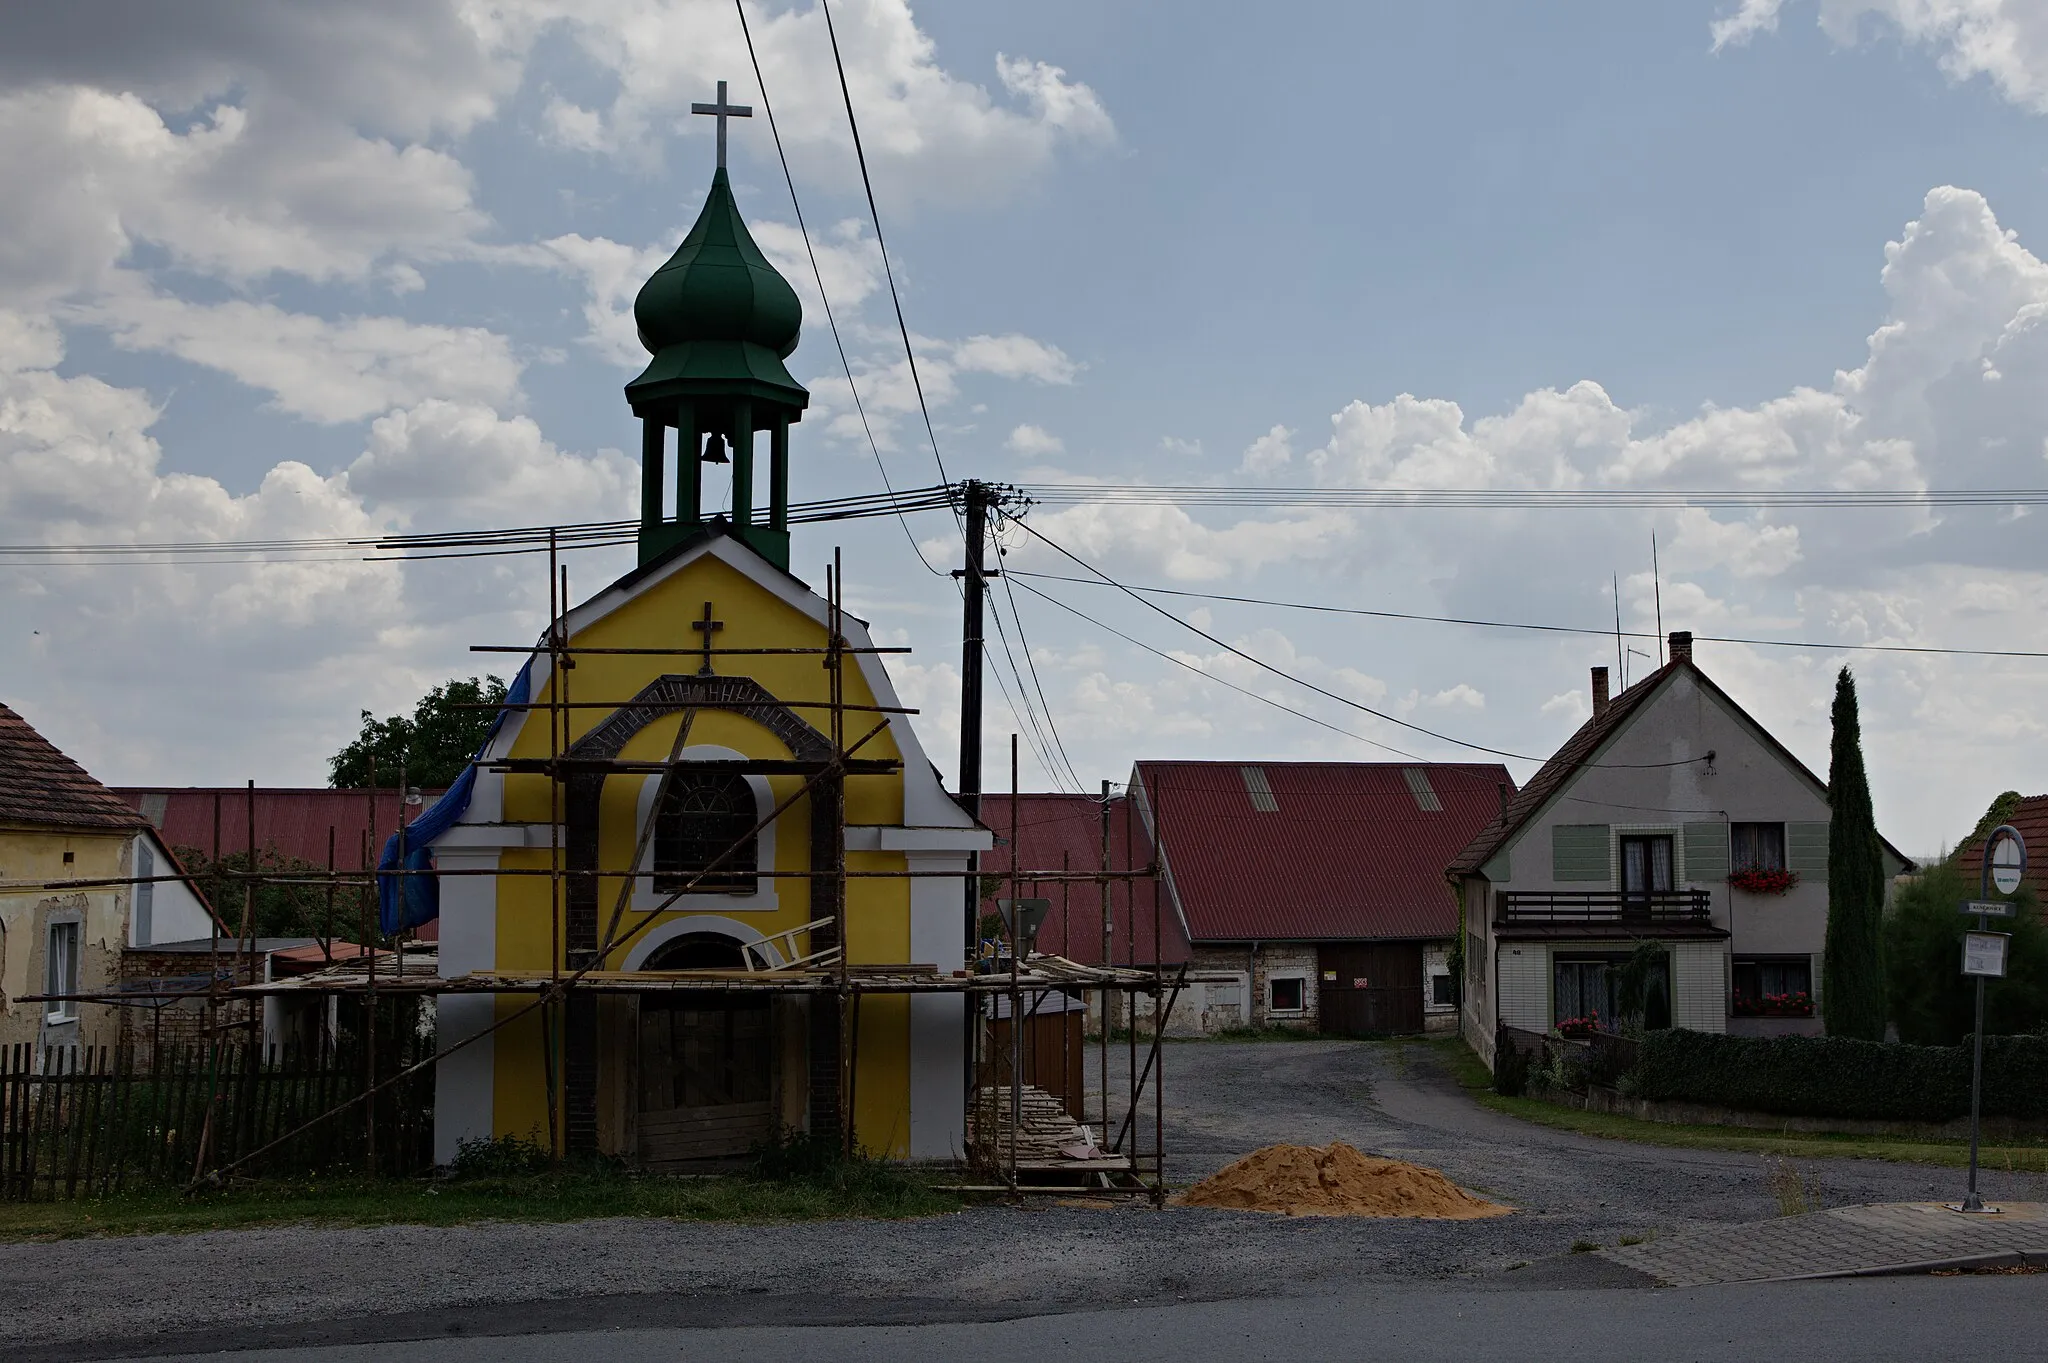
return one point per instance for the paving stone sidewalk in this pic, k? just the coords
(1844, 1241)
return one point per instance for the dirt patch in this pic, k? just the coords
(1336, 1180)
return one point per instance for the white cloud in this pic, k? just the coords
(1463, 696)
(929, 134)
(467, 465)
(1010, 357)
(324, 370)
(1034, 442)
(2005, 41)
(1270, 453)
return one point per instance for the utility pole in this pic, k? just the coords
(979, 496)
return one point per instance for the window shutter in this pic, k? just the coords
(1579, 851)
(1706, 851)
(1806, 848)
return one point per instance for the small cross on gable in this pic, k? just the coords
(707, 627)
(722, 111)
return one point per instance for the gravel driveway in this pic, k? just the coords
(99, 1298)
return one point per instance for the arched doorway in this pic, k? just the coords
(706, 1060)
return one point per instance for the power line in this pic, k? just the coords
(1212, 677)
(1522, 625)
(819, 275)
(888, 272)
(1136, 494)
(1303, 681)
(1032, 663)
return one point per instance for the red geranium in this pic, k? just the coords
(1763, 879)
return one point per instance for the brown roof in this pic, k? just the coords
(1317, 851)
(40, 785)
(1550, 778)
(292, 821)
(2030, 817)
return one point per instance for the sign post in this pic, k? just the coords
(2005, 865)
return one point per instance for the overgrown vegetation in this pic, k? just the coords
(447, 726)
(1797, 1191)
(1931, 1000)
(1511, 1065)
(281, 910)
(1852, 969)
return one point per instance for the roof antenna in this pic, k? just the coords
(1620, 655)
(1657, 581)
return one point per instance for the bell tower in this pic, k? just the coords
(719, 322)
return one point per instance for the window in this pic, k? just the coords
(1583, 991)
(1773, 987)
(61, 974)
(1646, 869)
(701, 817)
(1757, 846)
(1287, 994)
(1442, 992)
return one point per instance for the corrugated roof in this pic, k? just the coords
(291, 821)
(1350, 850)
(40, 785)
(1064, 832)
(2031, 819)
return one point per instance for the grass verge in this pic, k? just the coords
(848, 1189)
(1472, 1076)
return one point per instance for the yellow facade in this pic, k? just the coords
(31, 856)
(757, 607)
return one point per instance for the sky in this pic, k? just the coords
(277, 272)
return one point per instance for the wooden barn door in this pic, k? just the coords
(1377, 989)
(707, 1078)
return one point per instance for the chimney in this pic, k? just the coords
(1681, 645)
(1599, 691)
(1503, 800)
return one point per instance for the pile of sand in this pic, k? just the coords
(1336, 1180)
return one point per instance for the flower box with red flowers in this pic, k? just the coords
(1763, 879)
(1579, 1027)
(1794, 1005)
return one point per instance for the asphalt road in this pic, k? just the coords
(302, 1286)
(1867, 1321)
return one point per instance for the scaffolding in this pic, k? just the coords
(1020, 1138)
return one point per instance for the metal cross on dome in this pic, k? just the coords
(722, 111)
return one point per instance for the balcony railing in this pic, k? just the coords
(1663, 907)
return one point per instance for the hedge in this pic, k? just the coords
(1802, 1076)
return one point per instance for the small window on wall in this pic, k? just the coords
(61, 973)
(1442, 993)
(1287, 994)
(707, 817)
(1756, 846)
(1773, 987)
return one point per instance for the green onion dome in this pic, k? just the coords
(718, 287)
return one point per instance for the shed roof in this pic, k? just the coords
(40, 785)
(1064, 832)
(1317, 851)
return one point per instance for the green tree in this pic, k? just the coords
(293, 908)
(445, 731)
(1932, 1001)
(1852, 971)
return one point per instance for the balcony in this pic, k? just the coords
(1590, 912)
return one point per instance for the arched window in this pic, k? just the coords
(699, 820)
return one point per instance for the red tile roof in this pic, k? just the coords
(40, 785)
(293, 822)
(1064, 832)
(1317, 851)
(2031, 819)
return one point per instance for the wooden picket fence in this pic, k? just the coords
(89, 1121)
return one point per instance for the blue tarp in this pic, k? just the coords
(422, 893)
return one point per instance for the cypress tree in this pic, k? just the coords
(1852, 973)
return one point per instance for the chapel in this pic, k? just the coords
(698, 774)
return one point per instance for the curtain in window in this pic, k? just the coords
(1760, 845)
